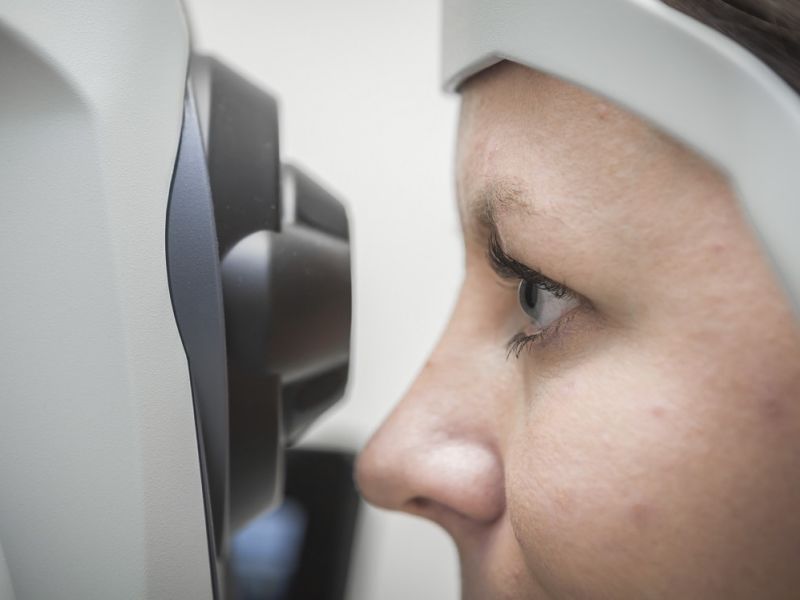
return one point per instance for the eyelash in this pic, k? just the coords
(522, 342)
(509, 268)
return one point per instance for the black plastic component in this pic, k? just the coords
(287, 293)
(303, 550)
(259, 269)
(240, 124)
(287, 311)
(321, 481)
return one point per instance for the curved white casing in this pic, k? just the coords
(100, 488)
(686, 78)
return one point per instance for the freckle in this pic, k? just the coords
(641, 515)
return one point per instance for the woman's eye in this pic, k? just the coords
(545, 302)
(542, 305)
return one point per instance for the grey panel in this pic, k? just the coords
(195, 288)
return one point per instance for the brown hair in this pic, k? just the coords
(770, 29)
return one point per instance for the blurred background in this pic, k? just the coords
(361, 109)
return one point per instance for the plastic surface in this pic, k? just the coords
(6, 588)
(196, 290)
(287, 313)
(239, 124)
(288, 302)
(686, 78)
(100, 489)
(284, 275)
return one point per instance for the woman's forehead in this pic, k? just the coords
(573, 184)
(533, 142)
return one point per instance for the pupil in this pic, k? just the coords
(528, 295)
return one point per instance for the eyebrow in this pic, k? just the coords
(496, 197)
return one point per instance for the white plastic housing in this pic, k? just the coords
(100, 490)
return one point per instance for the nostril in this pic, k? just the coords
(455, 522)
(419, 503)
(427, 509)
(418, 506)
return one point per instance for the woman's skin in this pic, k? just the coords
(647, 445)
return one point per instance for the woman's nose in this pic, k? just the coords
(437, 453)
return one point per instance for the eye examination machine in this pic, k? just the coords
(175, 304)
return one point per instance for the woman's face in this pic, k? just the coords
(625, 423)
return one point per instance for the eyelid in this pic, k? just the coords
(507, 267)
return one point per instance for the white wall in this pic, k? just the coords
(361, 108)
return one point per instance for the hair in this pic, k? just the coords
(770, 29)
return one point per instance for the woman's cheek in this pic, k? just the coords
(631, 476)
(595, 471)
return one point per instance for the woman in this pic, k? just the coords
(614, 408)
